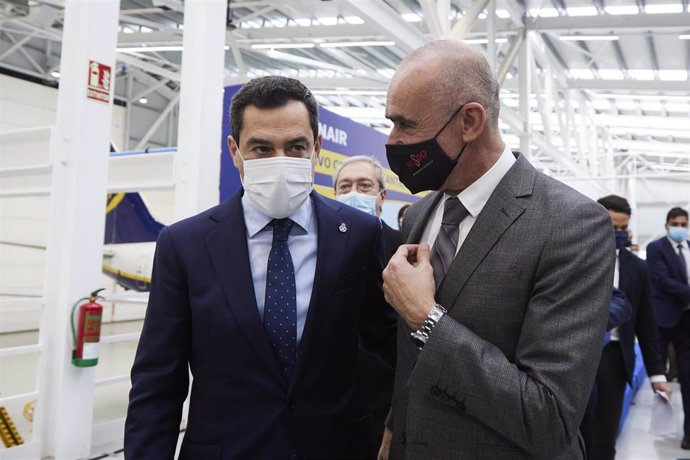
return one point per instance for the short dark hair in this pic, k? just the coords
(615, 203)
(268, 93)
(676, 212)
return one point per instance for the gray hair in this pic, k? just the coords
(378, 168)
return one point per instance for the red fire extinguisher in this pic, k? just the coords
(88, 333)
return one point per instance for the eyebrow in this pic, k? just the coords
(260, 141)
(401, 119)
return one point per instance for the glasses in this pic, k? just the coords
(363, 186)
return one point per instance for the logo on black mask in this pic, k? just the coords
(424, 165)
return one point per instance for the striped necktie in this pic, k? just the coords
(446, 243)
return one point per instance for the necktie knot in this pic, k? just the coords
(281, 229)
(680, 247)
(453, 211)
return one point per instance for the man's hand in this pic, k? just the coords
(385, 449)
(408, 283)
(663, 387)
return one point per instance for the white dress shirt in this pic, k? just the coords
(474, 199)
(302, 243)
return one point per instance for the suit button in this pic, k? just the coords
(290, 403)
(404, 438)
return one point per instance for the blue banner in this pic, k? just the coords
(342, 137)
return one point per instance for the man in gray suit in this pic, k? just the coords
(503, 286)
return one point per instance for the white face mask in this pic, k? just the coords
(277, 186)
(365, 203)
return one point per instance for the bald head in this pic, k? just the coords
(451, 73)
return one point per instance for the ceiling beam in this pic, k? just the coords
(385, 19)
(630, 85)
(603, 23)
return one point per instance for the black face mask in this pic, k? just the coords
(622, 239)
(424, 165)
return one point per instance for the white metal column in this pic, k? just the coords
(524, 79)
(197, 162)
(79, 153)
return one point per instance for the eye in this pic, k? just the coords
(344, 187)
(297, 149)
(261, 150)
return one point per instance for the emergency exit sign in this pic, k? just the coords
(98, 83)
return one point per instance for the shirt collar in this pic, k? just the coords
(257, 221)
(475, 196)
(675, 243)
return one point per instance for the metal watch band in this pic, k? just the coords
(421, 335)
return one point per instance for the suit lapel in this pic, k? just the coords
(423, 217)
(331, 241)
(503, 207)
(227, 247)
(672, 255)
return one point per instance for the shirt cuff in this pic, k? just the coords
(657, 378)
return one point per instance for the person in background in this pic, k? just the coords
(358, 182)
(618, 356)
(401, 214)
(257, 298)
(504, 282)
(668, 259)
(620, 311)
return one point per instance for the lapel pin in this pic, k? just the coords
(342, 228)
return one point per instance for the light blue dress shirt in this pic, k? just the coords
(302, 243)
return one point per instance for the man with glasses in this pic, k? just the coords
(358, 181)
(503, 286)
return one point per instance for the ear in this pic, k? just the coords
(233, 148)
(383, 194)
(473, 118)
(317, 146)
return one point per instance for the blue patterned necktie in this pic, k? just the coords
(280, 307)
(446, 243)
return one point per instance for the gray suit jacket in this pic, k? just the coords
(506, 374)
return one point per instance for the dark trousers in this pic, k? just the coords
(599, 426)
(679, 336)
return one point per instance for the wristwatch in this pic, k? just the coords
(421, 335)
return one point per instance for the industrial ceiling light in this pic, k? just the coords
(684, 37)
(483, 41)
(275, 46)
(588, 38)
(353, 44)
(143, 100)
(152, 49)
(55, 74)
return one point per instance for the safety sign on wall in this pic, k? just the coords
(98, 84)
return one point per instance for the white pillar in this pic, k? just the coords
(524, 80)
(197, 161)
(79, 154)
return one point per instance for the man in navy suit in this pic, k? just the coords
(264, 298)
(618, 356)
(668, 262)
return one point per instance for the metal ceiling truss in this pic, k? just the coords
(562, 117)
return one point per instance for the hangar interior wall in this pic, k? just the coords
(29, 106)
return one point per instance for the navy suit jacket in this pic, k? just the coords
(670, 289)
(202, 315)
(635, 284)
